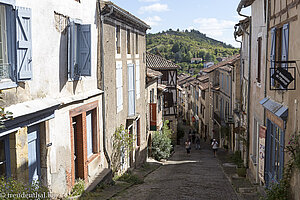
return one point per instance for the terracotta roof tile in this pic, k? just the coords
(158, 62)
(229, 60)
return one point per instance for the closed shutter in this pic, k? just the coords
(119, 86)
(84, 37)
(273, 50)
(23, 43)
(285, 45)
(34, 153)
(137, 75)
(152, 116)
(131, 90)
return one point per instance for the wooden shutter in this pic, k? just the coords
(23, 43)
(34, 153)
(72, 53)
(152, 107)
(131, 90)
(137, 77)
(84, 38)
(285, 44)
(273, 51)
(119, 86)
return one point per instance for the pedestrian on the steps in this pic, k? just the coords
(214, 145)
(188, 146)
(198, 143)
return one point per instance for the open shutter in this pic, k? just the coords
(131, 90)
(23, 43)
(285, 44)
(137, 76)
(119, 86)
(84, 37)
(72, 52)
(273, 50)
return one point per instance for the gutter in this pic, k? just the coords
(102, 17)
(266, 68)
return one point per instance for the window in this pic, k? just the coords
(137, 77)
(136, 43)
(259, 59)
(279, 48)
(15, 52)
(128, 41)
(255, 140)
(4, 157)
(217, 102)
(118, 39)
(119, 86)
(79, 50)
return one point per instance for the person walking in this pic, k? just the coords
(214, 145)
(198, 143)
(188, 147)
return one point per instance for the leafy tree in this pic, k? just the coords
(175, 48)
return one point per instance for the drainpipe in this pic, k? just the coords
(241, 77)
(102, 17)
(266, 65)
(240, 6)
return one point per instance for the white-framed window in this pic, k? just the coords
(138, 79)
(118, 41)
(15, 45)
(119, 85)
(79, 50)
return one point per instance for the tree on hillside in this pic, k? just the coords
(175, 48)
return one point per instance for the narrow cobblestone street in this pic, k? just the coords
(198, 176)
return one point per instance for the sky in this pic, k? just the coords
(215, 18)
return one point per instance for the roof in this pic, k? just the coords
(153, 74)
(204, 86)
(226, 68)
(203, 77)
(228, 61)
(158, 62)
(276, 108)
(242, 26)
(122, 14)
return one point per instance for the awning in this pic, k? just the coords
(276, 108)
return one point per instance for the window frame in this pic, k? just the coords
(128, 42)
(118, 42)
(259, 55)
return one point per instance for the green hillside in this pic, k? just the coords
(181, 46)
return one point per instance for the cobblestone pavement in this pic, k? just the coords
(198, 176)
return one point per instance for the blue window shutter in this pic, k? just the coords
(89, 133)
(23, 43)
(73, 73)
(131, 90)
(273, 50)
(285, 44)
(11, 43)
(84, 36)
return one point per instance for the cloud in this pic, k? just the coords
(153, 21)
(149, 0)
(157, 7)
(214, 27)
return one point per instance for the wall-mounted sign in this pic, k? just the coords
(283, 77)
(261, 157)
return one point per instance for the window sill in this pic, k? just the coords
(118, 56)
(93, 157)
(129, 56)
(7, 85)
(137, 56)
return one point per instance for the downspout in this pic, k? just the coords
(241, 77)
(241, 5)
(266, 67)
(102, 17)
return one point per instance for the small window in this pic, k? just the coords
(136, 43)
(118, 39)
(128, 41)
(138, 133)
(259, 59)
(79, 50)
